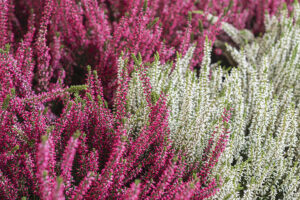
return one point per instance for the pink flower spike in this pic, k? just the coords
(3, 22)
(67, 160)
(43, 158)
(58, 190)
(133, 192)
(84, 186)
(42, 50)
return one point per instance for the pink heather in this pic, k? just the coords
(4, 11)
(133, 192)
(96, 32)
(83, 187)
(58, 190)
(6, 188)
(43, 157)
(67, 160)
(42, 50)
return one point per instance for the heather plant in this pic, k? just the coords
(260, 160)
(194, 109)
(269, 76)
(87, 151)
(280, 45)
(45, 156)
(148, 128)
(67, 35)
(138, 30)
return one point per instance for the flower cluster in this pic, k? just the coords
(263, 93)
(68, 35)
(103, 99)
(88, 151)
